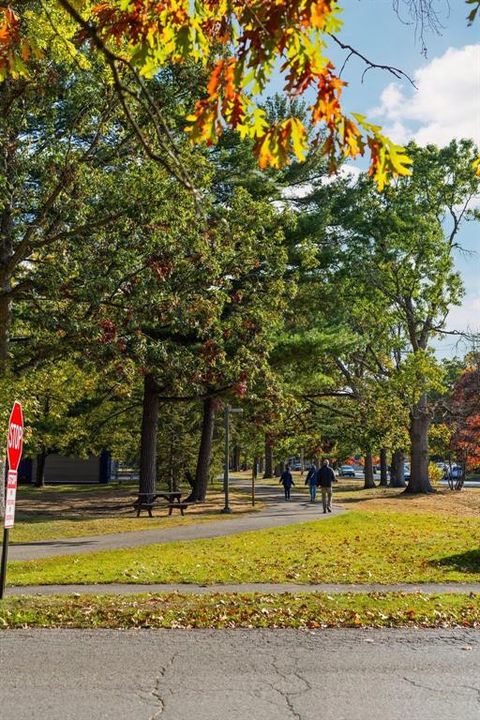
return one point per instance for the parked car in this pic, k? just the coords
(347, 471)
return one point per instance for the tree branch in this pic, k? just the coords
(397, 72)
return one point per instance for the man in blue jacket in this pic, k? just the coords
(325, 479)
(311, 481)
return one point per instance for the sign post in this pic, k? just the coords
(14, 454)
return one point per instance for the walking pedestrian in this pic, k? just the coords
(325, 478)
(286, 480)
(311, 481)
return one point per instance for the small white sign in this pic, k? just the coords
(10, 498)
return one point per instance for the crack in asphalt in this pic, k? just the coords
(443, 690)
(289, 696)
(157, 691)
(421, 686)
(156, 694)
(475, 689)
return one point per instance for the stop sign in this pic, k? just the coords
(15, 437)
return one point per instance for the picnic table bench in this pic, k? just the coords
(147, 501)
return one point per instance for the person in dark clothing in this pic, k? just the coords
(287, 481)
(325, 478)
(311, 481)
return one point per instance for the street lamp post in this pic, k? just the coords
(226, 424)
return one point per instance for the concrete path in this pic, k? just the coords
(276, 513)
(264, 588)
(240, 674)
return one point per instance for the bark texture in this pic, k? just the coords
(236, 458)
(368, 471)
(397, 469)
(199, 490)
(40, 469)
(419, 425)
(383, 468)
(148, 442)
(268, 471)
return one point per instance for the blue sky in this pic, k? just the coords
(446, 104)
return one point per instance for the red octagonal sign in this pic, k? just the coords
(15, 437)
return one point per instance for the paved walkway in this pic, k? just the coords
(276, 513)
(264, 588)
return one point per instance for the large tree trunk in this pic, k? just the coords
(383, 468)
(397, 469)
(418, 431)
(148, 442)
(268, 472)
(368, 471)
(40, 469)
(199, 491)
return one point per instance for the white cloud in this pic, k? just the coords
(466, 318)
(445, 106)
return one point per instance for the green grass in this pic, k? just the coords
(358, 547)
(245, 610)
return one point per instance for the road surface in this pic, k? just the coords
(240, 675)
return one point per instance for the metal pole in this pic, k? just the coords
(226, 414)
(3, 570)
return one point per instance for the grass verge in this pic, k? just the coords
(358, 547)
(242, 611)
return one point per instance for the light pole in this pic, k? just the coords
(226, 423)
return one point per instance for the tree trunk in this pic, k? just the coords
(256, 461)
(5, 319)
(268, 472)
(40, 470)
(199, 491)
(397, 469)
(383, 468)
(418, 431)
(9, 171)
(148, 441)
(236, 458)
(368, 471)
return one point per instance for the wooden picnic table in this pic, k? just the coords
(146, 501)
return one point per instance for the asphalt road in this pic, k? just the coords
(240, 675)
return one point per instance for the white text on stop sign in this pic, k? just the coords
(15, 434)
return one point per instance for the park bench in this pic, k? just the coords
(147, 501)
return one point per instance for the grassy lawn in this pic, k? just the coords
(358, 547)
(245, 610)
(58, 512)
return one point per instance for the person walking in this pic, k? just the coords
(286, 480)
(311, 481)
(325, 479)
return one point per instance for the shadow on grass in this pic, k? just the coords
(468, 561)
(360, 494)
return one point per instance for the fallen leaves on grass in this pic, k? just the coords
(248, 610)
